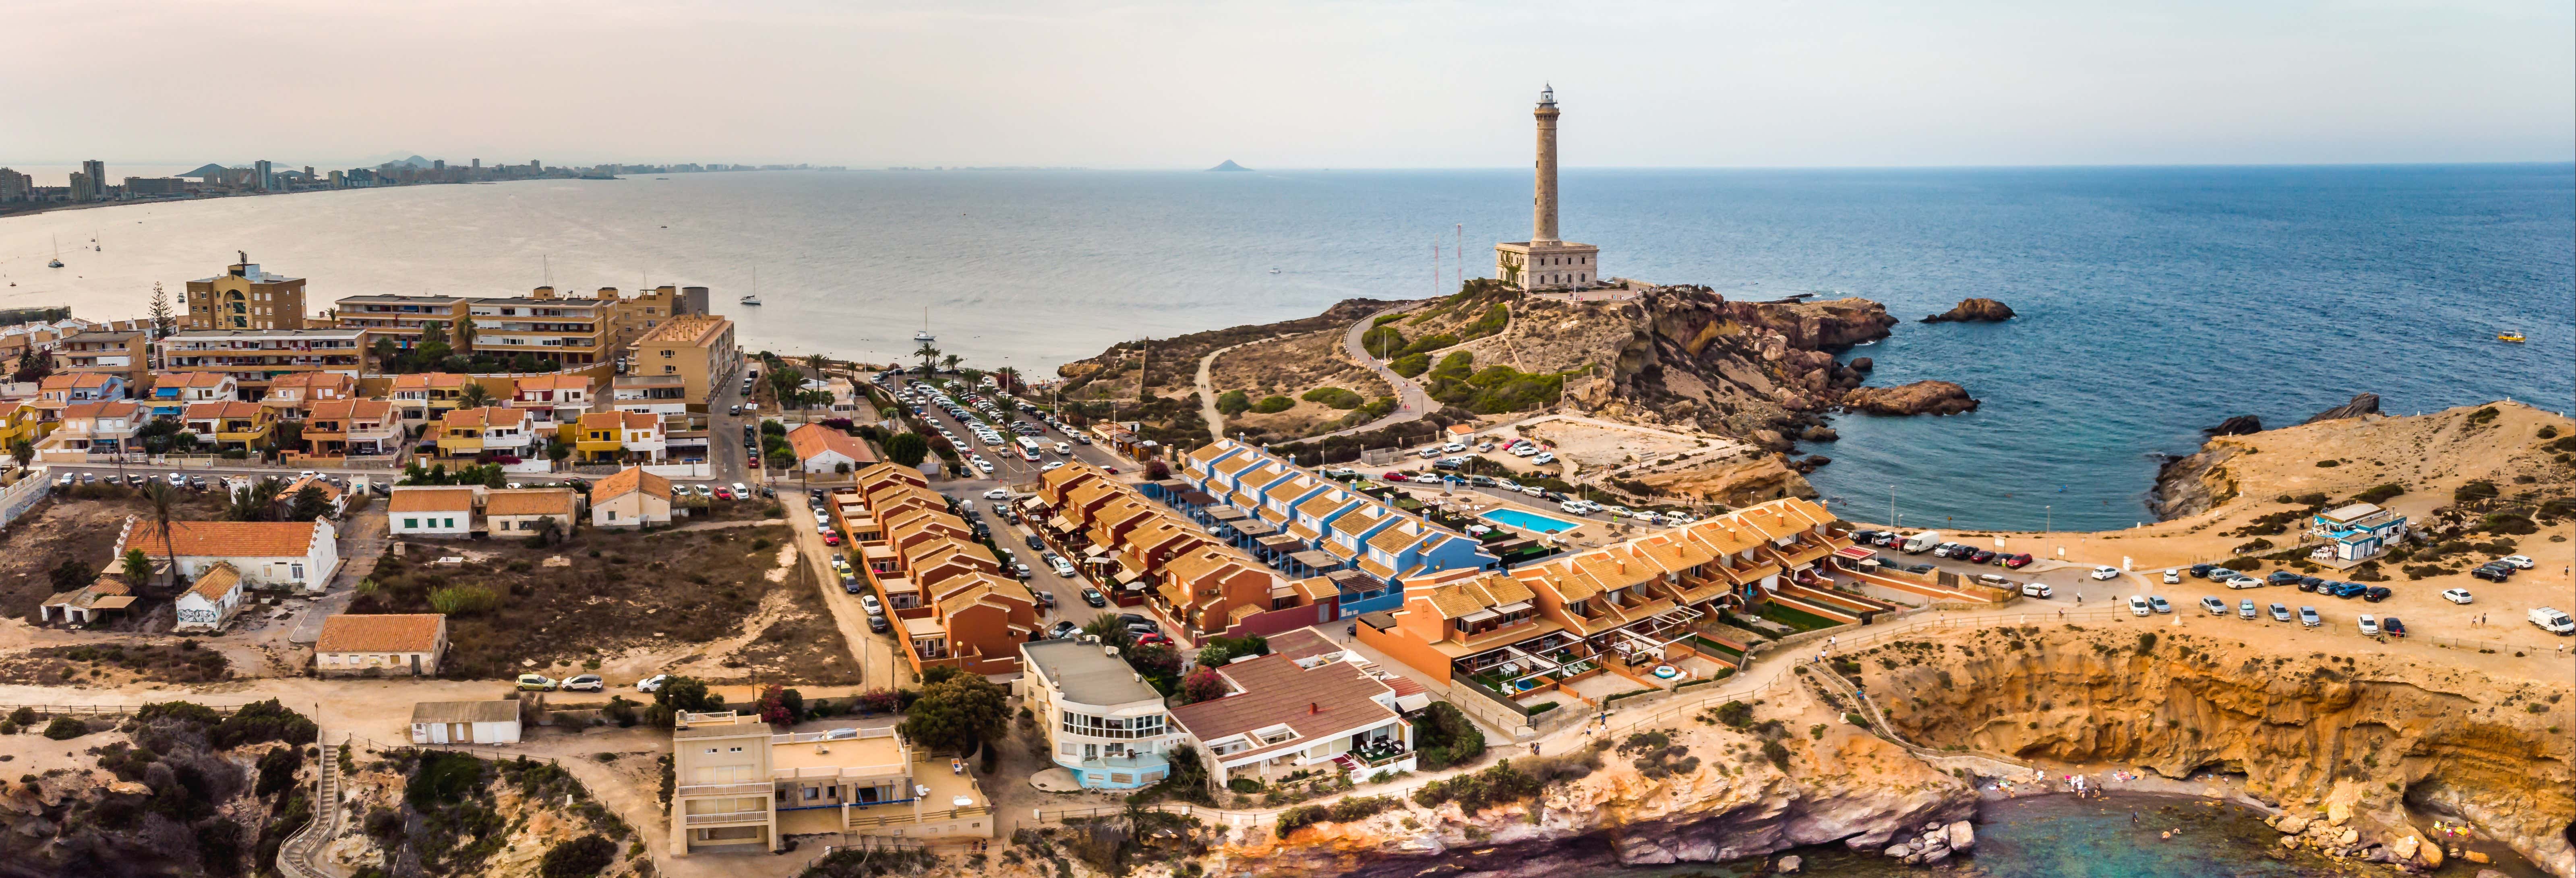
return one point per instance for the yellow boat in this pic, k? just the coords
(2511, 335)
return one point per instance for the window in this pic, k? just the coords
(411, 522)
(733, 749)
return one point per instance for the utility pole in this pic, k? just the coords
(1891, 506)
(1462, 256)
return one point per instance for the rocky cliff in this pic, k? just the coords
(2351, 449)
(1702, 792)
(2379, 741)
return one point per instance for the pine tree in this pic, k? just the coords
(163, 321)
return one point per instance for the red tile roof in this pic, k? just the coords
(381, 633)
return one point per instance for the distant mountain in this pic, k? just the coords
(1229, 166)
(209, 168)
(415, 161)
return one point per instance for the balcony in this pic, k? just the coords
(728, 818)
(724, 789)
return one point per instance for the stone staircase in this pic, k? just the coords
(300, 856)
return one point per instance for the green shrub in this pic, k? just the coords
(2380, 494)
(1735, 714)
(260, 722)
(1335, 397)
(1496, 316)
(1383, 341)
(65, 728)
(1233, 402)
(1475, 792)
(1272, 405)
(440, 778)
(1410, 366)
(2473, 491)
(1430, 343)
(1444, 737)
(579, 858)
(464, 600)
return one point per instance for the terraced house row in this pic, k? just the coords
(1146, 554)
(1306, 523)
(1620, 609)
(944, 592)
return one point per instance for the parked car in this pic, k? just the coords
(2158, 601)
(2106, 573)
(1982, 556)
(652, 683)
(1394, 476)
(2245, 582)
(2173, 577)
(1063, 630)
(1062, 566)
(998, 494)
(1093, 597)
(870, 603)
(584, 683)
(2369, 625)
(2035, 589)
(2215, 606)
(2281, 577)
(2457, 595)
(2390, 626)
(1533, 490)
(2221, 574)
(536, 683)
(2245, 609)
(2280, 613)
(880, 624)
(2016, 562)
(2305, 585)
(2138, 605)
(849, 583)
(1544, 458)
(2551, 620)
(2308, 617)
(2377, 593)
(2202, 570)
(2519, 562)
(2490, 574)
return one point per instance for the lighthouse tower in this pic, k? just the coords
(1544, 262)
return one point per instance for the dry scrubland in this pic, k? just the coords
(1286, 372)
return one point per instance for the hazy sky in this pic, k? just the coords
(1294, 84)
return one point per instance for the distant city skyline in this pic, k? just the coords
(1185, 85)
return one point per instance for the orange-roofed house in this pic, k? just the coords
(294, 393)
(1283, 715)
(629, 436)
(630, 498)
(523, 512)
(230, 425)
(173, 392)
(424, 397)
(821, 449)
(86, 428)
(432, 510)
(491, 429)
(210, 602)
(552, 400)
(389, 644)
(353, 427)
(301, 555)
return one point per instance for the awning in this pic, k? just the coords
(1274, 541)
(113, 602)
(1227, 513)
(1059, 523)
(1479, 616)
(1194, 498)
(1413, 702)
(1171, 485)
(1315, 560)
(1513, 607)
(1255, 528)
(1855, 553)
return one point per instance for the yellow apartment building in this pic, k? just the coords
(698, 348)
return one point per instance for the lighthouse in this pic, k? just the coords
(1544, 262)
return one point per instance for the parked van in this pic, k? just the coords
(2552, 621)
(1922, 542)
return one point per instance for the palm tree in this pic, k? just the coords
(951, 361)
(162, 496)
(474, 396)
(928, 355)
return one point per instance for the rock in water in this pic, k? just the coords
(1788, 865)
(2404, 847)
(2236, 426)
(1962, 836)
(2361, 404)
(1974, 311)
(1862, 364)
(1819, 433)
(1918, 398)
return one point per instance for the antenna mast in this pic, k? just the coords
(1462, 255)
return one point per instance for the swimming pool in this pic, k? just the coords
(1527, 521)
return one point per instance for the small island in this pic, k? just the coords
(1229, 165)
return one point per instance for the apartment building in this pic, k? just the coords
(173, 392)
(944, 591)
(488, 430)
(123, 354)
(86, 428)
(1290, 514)
(257, 357)
(570, 331)
(739, 787)
(1102, 721)
(1616, 609)
(1152, 556)
(552, 400)
(292, 395)
(650, 394)
(244, 298)
(403, 319)
(352, 427)
(421, 398)
(230, 425)
(59, 392)
(23, 421)
(697, 348)
(620, 436)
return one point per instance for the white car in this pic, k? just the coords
(1454, 448)
(998, 494)
(1617, 511)
(985, 465)
(2457, 595)
(2173, 577)
(652, 683)
(869, 603)
(1573, 506)
(2369, 625)
(1533, 490)
(741, 491)
(2519, 562)
(1428, 453)
(1544, 458)
(1062, 566)
(2138, 605)
(1523, 450)
(2106, 573)
(965, 505)
(1051, 465)
(2245, 582)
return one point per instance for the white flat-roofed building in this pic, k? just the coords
(1103, 722)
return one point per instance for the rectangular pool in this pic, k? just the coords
(1527, 521)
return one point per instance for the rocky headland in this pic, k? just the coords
(2352, 448)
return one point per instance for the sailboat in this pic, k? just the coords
(58, 255)
(754, 297)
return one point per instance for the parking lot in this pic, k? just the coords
(1008, 466)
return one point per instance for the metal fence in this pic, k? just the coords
(100, 709)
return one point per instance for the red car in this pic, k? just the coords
(1395, 477)
(1151, 639)
(831, 539)
(2015, 562)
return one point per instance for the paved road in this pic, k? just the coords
(362, 541)
(878, 664)
(1410, 402)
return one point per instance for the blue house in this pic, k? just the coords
(2360, 531)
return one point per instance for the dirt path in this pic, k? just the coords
(1410, 402)
(1207, 390)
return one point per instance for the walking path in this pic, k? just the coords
(1410, 402)
(1207, 391)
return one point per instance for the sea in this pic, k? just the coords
(2154, 301)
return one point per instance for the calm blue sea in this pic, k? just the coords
(2155, 300)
